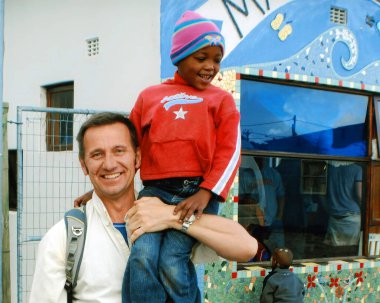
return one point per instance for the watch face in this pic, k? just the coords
(186, 223)
(191, 219)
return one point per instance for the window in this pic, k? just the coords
(59, 133)
(279, 212)
(313, 177)
(92, 46)
(303, 176)
(283, 118)
(12, 178)
(338, 15)
(374, 207)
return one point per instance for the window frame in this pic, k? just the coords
(52, 119)
(315, 86)
(373, 105)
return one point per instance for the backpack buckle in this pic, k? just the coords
(77, 231)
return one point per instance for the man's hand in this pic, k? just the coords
(228, 238)
(194, 204)
(82, 200)
(150, 214)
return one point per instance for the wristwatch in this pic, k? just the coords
(186, 224)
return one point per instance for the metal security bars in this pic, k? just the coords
(48, 180)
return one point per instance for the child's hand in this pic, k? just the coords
(82, 200)
(194, 204)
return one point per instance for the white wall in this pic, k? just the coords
(45, 43)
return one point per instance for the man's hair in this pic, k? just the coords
(283, 257)
(106, 118)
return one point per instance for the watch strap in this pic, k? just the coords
(186, 223)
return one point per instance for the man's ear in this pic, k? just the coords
(84, 167)
(138, 158)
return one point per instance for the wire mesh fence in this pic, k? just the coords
(49, 179)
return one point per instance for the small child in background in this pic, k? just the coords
(282, 285)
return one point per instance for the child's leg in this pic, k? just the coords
(141, 279)
(177, 272)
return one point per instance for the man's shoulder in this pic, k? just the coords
(54, 240)
(58, 227)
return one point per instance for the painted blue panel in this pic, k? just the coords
(316, 46)
(171, 11)
(283, 118)
(314, 38)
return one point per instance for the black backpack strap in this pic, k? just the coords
(76, 227)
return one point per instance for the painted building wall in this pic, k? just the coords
(45, 43)
(292, 37)
(292, 40)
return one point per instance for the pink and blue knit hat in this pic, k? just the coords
(191, 33)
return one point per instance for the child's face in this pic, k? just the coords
(200, 68)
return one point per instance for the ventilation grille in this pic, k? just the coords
(92, 46)
(338, 15)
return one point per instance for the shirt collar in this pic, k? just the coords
(101, 209)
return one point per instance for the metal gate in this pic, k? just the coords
(49, 179)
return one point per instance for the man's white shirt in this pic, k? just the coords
(103, 264)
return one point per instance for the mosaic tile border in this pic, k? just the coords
(357, 281)
(251, 71)
(311, 267)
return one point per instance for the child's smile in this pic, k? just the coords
(200, 68)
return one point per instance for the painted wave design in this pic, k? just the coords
(316, 59)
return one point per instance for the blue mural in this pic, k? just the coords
(336, 39)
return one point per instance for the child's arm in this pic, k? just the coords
(226, 157)
(225, 161)
(194, 204)
(83, 199)
(136, 119)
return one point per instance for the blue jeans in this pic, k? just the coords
(159, 268)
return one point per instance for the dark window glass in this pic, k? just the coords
(285, 118)
(60, 125)
(12, 177)
(313, 207)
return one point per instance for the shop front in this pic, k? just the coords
(306, 79)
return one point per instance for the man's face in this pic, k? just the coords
(110, 160)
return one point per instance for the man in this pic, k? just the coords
(273, 203)
(344, 199)
(109, 155)
(261, 198)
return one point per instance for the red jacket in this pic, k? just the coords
(185, 132)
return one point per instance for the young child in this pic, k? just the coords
(188, 132)
(282, 285)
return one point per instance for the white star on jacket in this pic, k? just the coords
(180, 114)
